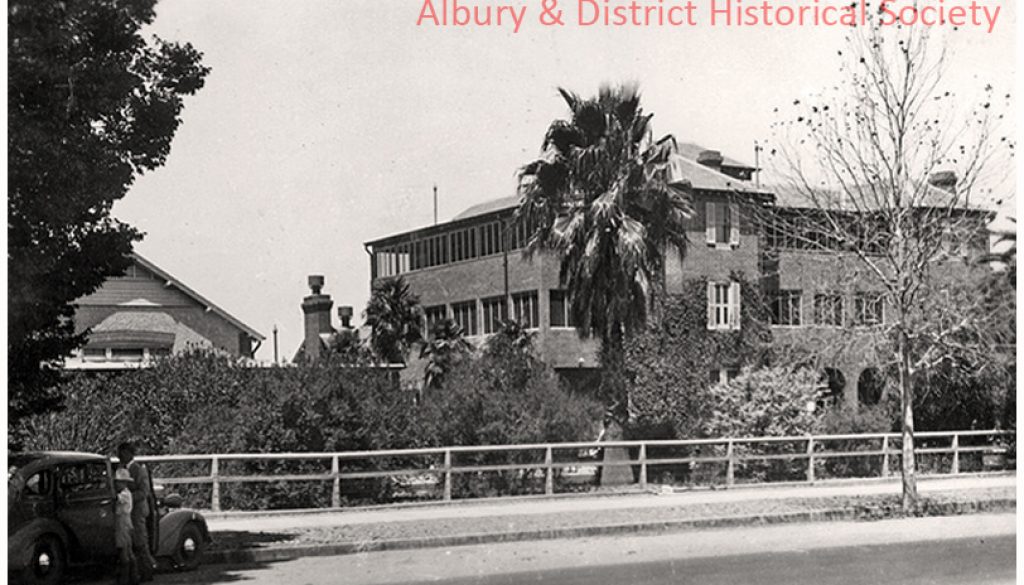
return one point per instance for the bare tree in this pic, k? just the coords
(887, 169)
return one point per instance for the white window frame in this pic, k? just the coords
(711, 210)
(788, 295)
(474, 317)
(487, 314)
(519, 307)
(863, 300)
(723, 314)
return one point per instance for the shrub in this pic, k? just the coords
(506, 396)
(667, 365)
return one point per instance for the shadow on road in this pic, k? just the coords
(228, 540)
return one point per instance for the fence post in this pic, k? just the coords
(956, 454)
(643, 465)
(810, 459)
(549, 473)
(447, 475)
(885, 456)
(730, 469)
(336, 487)
(215, 478)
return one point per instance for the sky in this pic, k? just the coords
(326, 123)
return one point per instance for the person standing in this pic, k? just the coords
(142, 508)
(127, 568)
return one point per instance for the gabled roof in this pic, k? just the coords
(172, 281)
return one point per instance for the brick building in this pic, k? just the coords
(146, 313)
(466, 268)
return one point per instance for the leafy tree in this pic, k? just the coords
(601, 199)
(91, 105)
(446, 348)
(888, 169)
(394, 316)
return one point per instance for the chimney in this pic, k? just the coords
(317, 310)
(711, 159)
(945, 180)
(345, 315)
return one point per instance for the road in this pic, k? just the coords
(978, 549)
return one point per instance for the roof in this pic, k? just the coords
(801, 198)
(171, 280)
(700, 177)
(691, 150)
(152, 322)
(486, 207)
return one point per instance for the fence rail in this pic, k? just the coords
(736, 454)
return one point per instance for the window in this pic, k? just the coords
(463, 244)
(433, 316)
(558, 307)
(490, 238)
(127, 354)
(723, 305)
(525, 309)
(721, 223)
(39, 484)
(94, 354)
(723, 376)
(465, 315)
(828, 309)
(868, 309)
(786, 308)
(84, 478)
(495, 311)
(393, 260)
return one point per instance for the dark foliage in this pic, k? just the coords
(91, 105)
(667, 366)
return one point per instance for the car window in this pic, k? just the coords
(84, 478)
(39, 484)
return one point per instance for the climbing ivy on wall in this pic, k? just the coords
(667, 366)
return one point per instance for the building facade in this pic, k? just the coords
(471, 268)
(147, 313)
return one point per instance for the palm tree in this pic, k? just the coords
(446, 347)
(601, 199)
(394, 316)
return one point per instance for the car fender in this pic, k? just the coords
(19, 545)
(171, 525)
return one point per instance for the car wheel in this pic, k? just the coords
(47, 564)
(189, 550)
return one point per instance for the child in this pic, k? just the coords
(127, 572)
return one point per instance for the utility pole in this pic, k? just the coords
(275, 344)
(435, 204)
(757, 164)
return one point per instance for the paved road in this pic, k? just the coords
(977, 549)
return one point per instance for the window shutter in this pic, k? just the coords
(709, 222)
(711, 305)
(734, 224)
(734, 305)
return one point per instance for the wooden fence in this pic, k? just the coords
(810, 456)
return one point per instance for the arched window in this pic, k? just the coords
(870, 386)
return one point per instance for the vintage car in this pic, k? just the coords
(60, 508)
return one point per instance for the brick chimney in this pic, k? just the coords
(317, 310)
(711, 159)
(945, 180)
(345, 316)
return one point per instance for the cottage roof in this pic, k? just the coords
(173, 281)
